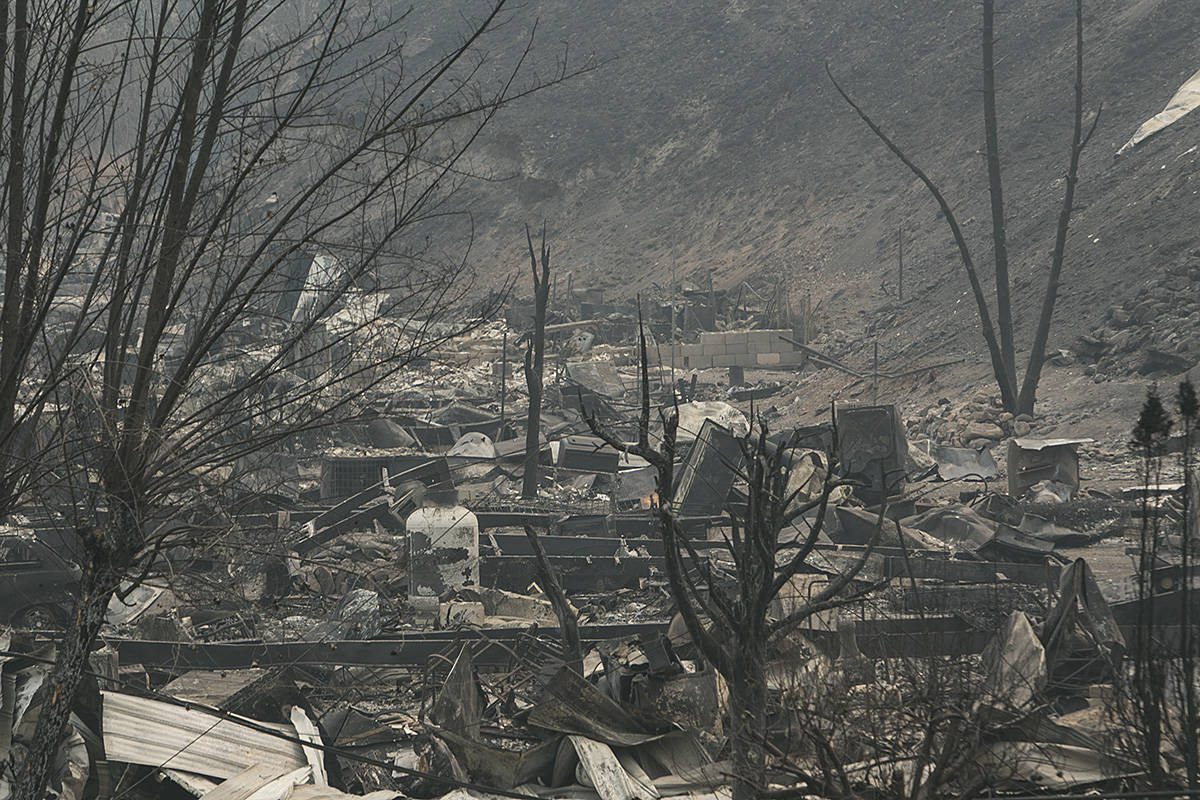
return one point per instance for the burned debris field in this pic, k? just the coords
(396, 618)
(555, 401)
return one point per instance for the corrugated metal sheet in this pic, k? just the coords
(138, 730)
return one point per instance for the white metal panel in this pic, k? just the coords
(138, 730)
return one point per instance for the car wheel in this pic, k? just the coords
(41, 618)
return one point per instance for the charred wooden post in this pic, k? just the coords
(535, 350)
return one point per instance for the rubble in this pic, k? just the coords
(386, 630)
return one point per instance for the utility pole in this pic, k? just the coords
(674, 302)
(503, 381)
(875, 376)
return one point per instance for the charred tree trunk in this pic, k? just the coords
(568, 619)
(732, 629)
(996, 191)
(1079, 140)
(98, 584)
(535, 351)
(747, 708)
(152, 426)
(1000, 335)
(1007, 390)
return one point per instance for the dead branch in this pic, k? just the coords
(568, 619)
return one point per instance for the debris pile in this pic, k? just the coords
(399, 618)
(1152, 333)
(980, 421)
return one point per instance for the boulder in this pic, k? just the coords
(983, 430)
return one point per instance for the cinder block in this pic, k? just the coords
(735, 337)
(768, 359)
(771, 337)
(724, 360)
(758, 337)
(712, 337)
(791, 358)
(713, 349)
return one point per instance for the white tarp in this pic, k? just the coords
(1184, 101)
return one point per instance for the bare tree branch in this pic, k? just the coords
(1008, 390)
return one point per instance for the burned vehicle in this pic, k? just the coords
(37, 585)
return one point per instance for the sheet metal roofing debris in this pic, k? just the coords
(954, 463)
(1031, 461)
(139, 730)
(712, 465)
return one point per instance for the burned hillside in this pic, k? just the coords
(777, 401)
(723, 149)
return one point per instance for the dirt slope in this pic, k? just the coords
(710, 139)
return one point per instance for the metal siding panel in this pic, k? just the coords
(153, 733)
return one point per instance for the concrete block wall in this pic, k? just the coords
(740, 349)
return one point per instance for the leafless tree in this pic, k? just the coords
(1156, 708)
(1017, 396)
(216, 219)
(772, 536)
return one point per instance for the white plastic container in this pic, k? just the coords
(443, 547)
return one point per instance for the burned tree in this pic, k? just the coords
(535, 351)
(771, 536)
(1156, 699)
(155, 329)
(1018, 396)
